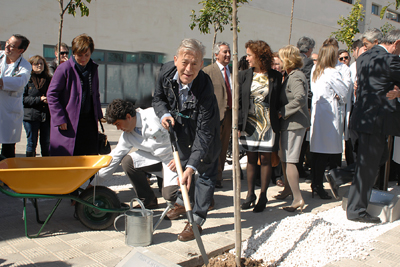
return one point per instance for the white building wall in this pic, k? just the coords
(159, 25)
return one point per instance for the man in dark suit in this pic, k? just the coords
(220, 74)
(184, 95)
(306, 47)
(374, 117)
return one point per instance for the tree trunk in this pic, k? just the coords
(235, 144)
(291, 22)
(61, 2)
(214, 41)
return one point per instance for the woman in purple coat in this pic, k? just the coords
(74, 103)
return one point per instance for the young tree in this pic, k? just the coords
(396, 3)
(387, 27)
(215, 13)
(71, 8)
(349, 25)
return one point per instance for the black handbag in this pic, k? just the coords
(104, 146)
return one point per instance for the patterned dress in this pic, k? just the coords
(258, 135)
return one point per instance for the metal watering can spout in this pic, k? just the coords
(139, 226)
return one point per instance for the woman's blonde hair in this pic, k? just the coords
(290, 57)
(327, 58)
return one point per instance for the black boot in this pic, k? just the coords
(30, 154)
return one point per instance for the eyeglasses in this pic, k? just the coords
(37, 64)
(64, 53)
(343, 58)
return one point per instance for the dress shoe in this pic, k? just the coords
(175, 212)
(211, 207)
(367, 218)
(332, 183)
(249, 202)
(319, 189)
(187, 233)
(262, 202)
(282, 195)
(152, 204)
(295, 206)
(218, 184)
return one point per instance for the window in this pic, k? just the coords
(375, 9)
(131, 58)
(392, 16)
(115, 57)
(348, 1)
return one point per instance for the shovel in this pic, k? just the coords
(185, 194)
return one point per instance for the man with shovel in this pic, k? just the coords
(184, 96)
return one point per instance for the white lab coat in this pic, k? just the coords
(326, 129)
(345, 107)
(15, 76)
(153, 146)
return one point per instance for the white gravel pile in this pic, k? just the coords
(313, 239)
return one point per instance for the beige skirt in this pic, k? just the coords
(290, 145)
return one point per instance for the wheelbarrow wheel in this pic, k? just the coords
(94, 218)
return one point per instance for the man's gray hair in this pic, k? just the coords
(305, 43)
(391, 37)
(217, 48)
(191, 45)
(372, 35)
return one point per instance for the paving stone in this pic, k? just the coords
(34, 252)
(69, 254)
(57, 247)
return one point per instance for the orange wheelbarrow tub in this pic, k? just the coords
(59, 177)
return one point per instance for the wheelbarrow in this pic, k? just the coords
(57, 178)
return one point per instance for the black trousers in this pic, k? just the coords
(320, 161)
(138, 178)
(8, 150)
(372, 153)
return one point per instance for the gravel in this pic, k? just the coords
(313, 239)
(303, 240)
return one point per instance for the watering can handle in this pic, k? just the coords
(115, 221)
(141, 205)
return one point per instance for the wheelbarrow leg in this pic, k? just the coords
(34, 203)
(45, 222)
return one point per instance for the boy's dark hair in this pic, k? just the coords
(118, 109)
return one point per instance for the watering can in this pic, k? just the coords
(139, 226)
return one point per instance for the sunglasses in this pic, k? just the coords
(343, 58)
(64, 53)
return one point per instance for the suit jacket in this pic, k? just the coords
(293, 102)
(308, 64)
(197, 123)
(219, 84)
(373, 113)
(275, 82)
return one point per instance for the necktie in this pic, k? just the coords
(228, 89)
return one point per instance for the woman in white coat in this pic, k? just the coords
(326, 129)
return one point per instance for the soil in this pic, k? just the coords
(228, 260)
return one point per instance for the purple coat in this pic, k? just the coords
(64, 97)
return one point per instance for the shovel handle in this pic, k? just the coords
(185, 193)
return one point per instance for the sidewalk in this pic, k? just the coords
(66, 242)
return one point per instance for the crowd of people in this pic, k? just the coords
(295, 109)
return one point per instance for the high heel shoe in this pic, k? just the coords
(283, 195)
(320, 192)
(249, 202)
(294, 207)
(262, 202)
